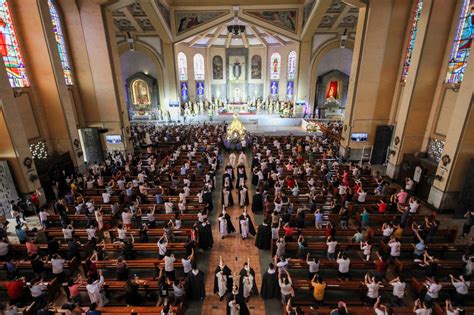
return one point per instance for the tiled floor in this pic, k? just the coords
(234, 252)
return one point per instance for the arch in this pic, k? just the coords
(60, 41)
(156, 58)
(291, 69)
(316, 60)
(275, 66)
(182, 66)
(198, 66)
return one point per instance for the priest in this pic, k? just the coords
(264, 236)
(225, 224)
(270, 287)
(205, 235)
(247, 283)
(195, 289)
(222, 280)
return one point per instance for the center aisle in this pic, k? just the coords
(233, 249)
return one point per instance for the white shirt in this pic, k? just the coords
(57, 265)
(394, 249)
(332, 247)
(162, 248)
(106, 197)
(373, 290)
(423, 311)
(399, 289)
(67, 233)
(433, 290)
(462, 288)
(169, 263)
(90, 233)
(93, 290)
(344, 265)
(187, 266)
(43, 216)
(362, 196)
(3, 248)
(126, 218)
(313, 266)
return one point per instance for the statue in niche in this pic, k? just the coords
(237, 69)
(140, 93)
(217, 68)
(333, 90)
(256, 67)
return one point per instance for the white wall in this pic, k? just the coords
(336, 59)
(132, 62)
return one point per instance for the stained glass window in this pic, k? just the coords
(275, 65)
(462, 44)
(10, 49)
(198, 67)
(411, 40)
(291, 65)
(58, 35)
(182, 67)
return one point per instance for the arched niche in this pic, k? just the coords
(144, 51)
(316, 61)
(142, 96)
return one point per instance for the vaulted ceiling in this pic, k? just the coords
(265, 20)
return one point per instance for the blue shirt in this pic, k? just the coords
(21, 234)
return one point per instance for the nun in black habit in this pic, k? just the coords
(227, 179)
(195, 288)
(243, 196)
(205, 235)
(264, 235)
(257, 202)
(223, 281)
(241, 176)
(255, 176)
(270, 287)
(246, 225)
(227, 198)
(240, 302)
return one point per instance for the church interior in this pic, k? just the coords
(236, 157)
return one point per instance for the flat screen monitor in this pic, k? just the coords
(113, 139)
(359, 136)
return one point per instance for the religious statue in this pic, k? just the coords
(332, 90)
(236, 69)
(140, 93)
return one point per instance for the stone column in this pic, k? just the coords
(13, 141)
(459, 147)
(47, 80)
(417, 93)
(375, 64)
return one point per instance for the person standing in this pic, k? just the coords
(285, 283)
(398, 293)
(466, 229)
(319, 288)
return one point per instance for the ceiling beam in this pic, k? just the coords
(119, 5)
(356, 3)
(279, 39)
(157, 20)
(257, 33)
(196, 39)
(245, 40)
(314, 19)
(215, 36)
(341, 16)
(129, 16)
(228, 40)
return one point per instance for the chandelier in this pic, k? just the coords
(236, 29)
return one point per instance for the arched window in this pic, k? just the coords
(275, 66)
(411, 39)
(58, 35)
(462, 44)
(10, 49)
(182, 67)
(198, 67)
(291, 65)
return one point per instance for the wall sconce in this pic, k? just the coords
(445, 160)
(397, 140)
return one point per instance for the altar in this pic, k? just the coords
(237, 107)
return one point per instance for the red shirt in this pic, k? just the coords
(382, 207)
(15, 289)
(290, 183)
(289, 231)
(381, 266)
